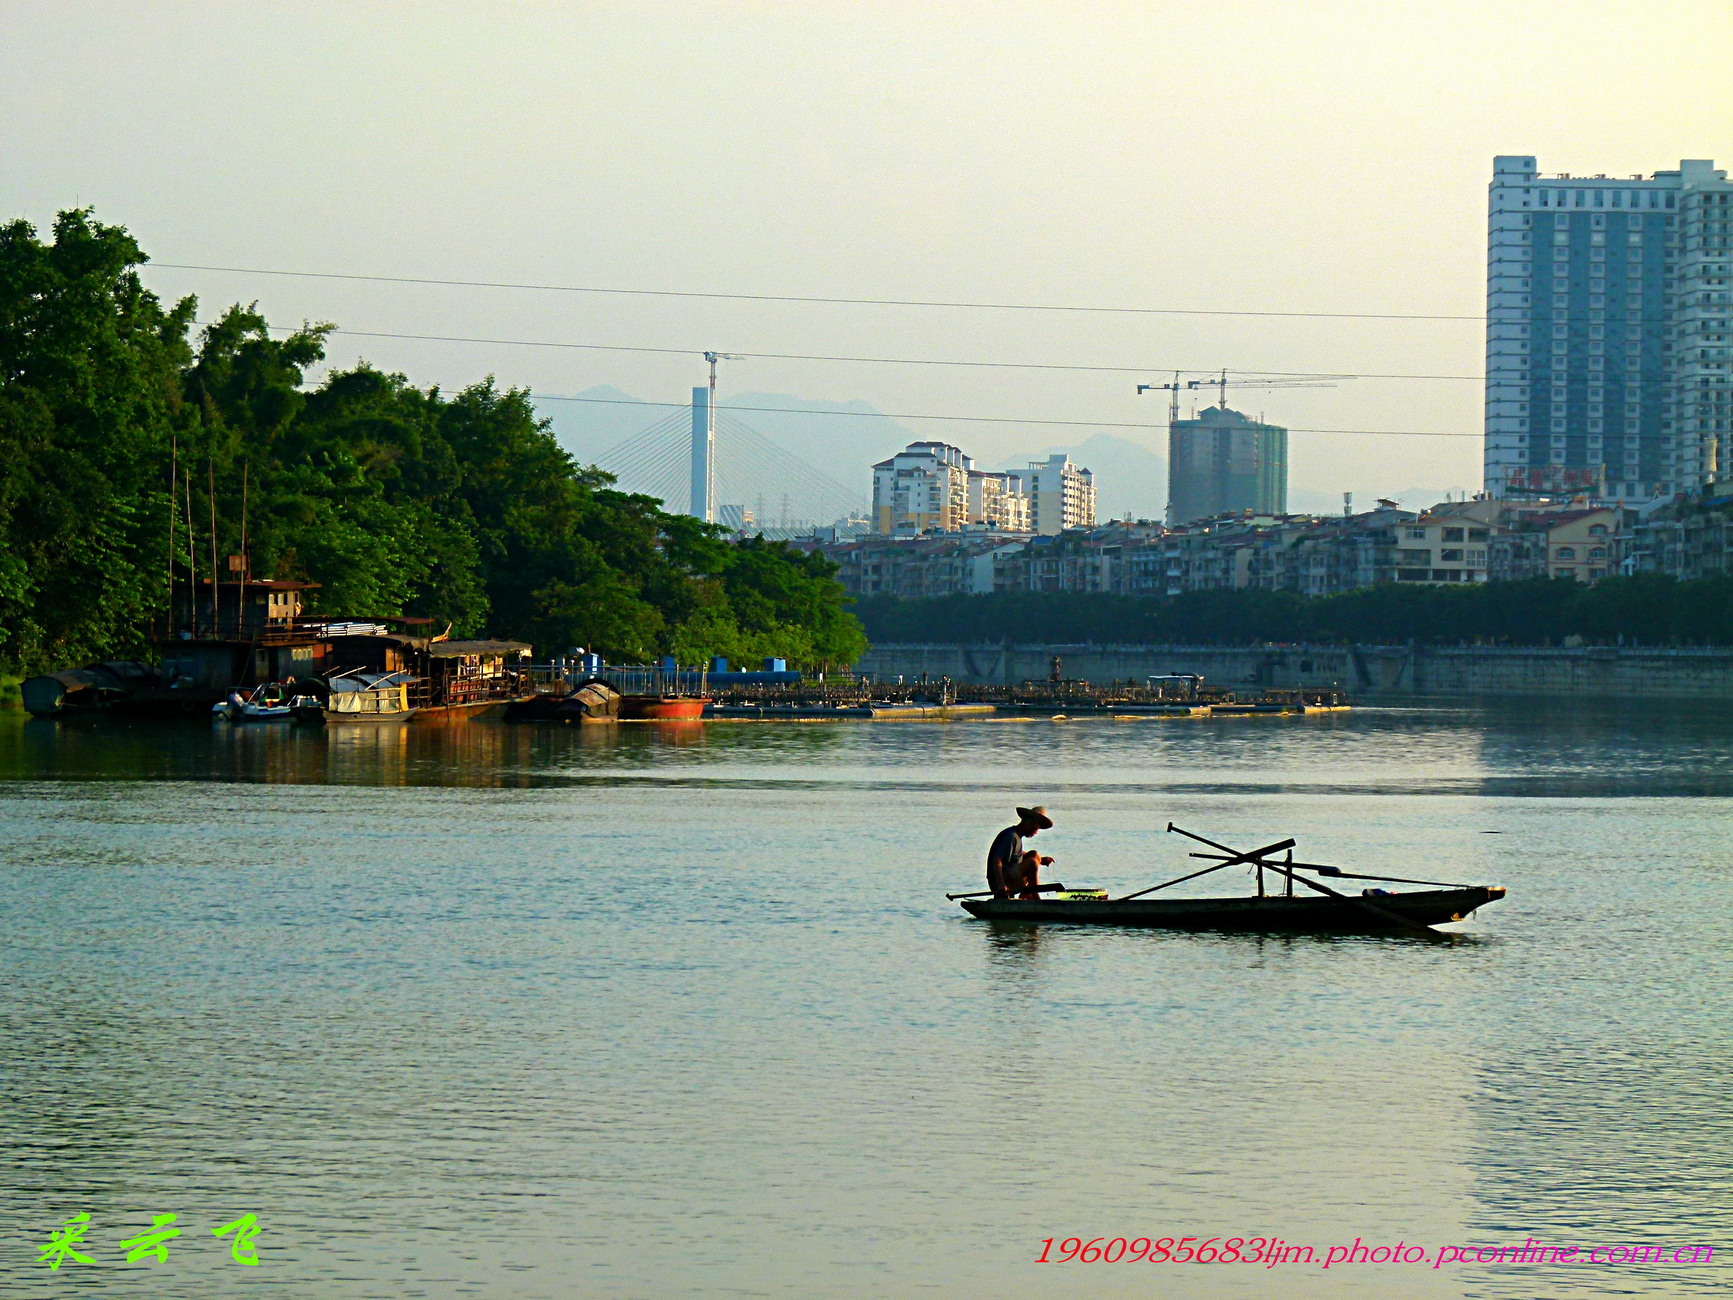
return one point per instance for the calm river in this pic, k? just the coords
(523, 1012)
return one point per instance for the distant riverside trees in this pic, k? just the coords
(398, 500)
(1649, 609)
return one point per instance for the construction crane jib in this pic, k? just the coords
(1220, 383)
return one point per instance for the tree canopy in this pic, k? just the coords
(396, 499)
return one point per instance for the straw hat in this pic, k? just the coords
(1038, 815)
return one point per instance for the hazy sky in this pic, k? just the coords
(1285, 157)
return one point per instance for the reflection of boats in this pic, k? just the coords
(356, 696)
(1325, 909)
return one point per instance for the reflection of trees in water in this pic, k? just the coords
(462, 751)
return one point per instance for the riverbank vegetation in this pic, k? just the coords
(396, 499)
(1646, 609)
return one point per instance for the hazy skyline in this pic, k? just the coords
(1252, 157)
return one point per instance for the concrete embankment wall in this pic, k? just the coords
(1361, 670)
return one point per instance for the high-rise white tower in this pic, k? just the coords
(1607, 331)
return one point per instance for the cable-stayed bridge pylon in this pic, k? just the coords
(752, 475)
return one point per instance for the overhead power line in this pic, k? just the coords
(881, 361)
(987, 419)
(814, 298)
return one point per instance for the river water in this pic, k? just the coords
(682, 1011)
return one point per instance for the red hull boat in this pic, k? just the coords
(662, 708)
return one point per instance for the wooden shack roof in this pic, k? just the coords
(458, 649)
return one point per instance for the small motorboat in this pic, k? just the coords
(267, 703)
(1321, 909)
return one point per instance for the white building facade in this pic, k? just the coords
(997, 502)
(922, 488)
(1061, 495)
(1607, 331)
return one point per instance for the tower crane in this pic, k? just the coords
(1220, 383)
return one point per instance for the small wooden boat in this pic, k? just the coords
(1321, 909)
(1273, 912)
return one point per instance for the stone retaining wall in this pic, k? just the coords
(1361, 670)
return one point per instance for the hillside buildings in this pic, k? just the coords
(1607, 332)
(1221, 462)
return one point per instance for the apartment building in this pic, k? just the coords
(933, 487)
(1607, 330)
(1061, 495)
(1582, 544)
(997, 502)
(1685, 538)
(924, 487)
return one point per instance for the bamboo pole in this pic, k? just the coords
(216, 578)
(173, 510)
(192, 562)
(246, 560)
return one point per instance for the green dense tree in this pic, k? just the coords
(117, 430)
(90, 397)
(1648, 609)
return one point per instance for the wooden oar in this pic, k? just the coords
(1234, 859)
(987, 893)
(1337, 872)
(1388, 917)
(1366, 905)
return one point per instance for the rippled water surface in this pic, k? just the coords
(671, 1012)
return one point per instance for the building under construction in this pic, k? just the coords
(1222, 462)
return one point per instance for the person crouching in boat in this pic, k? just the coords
(1013, 870)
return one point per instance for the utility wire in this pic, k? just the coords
(811, 298)
(882, 361)
(990, 419)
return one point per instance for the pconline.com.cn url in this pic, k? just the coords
(1271, 1251)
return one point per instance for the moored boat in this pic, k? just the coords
(662, 708)
(267, 703)
(356, 697)
(592, 701)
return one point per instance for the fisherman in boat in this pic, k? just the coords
(1013, 870)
